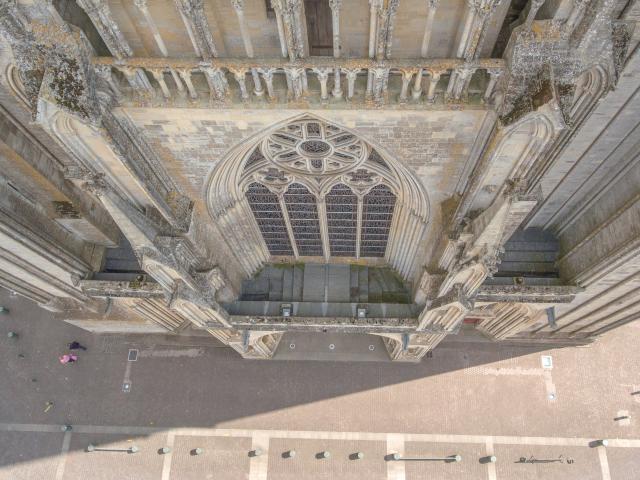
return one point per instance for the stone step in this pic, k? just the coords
(530, 257)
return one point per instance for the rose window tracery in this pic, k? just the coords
(311, 147)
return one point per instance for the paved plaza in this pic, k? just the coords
(472, 398)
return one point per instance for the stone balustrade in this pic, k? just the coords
(409, 83)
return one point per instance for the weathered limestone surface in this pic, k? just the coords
(141, 189)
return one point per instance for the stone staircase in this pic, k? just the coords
(326, 283)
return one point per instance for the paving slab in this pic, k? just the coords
(29, 455)
(468, 468)
(222, 458)
(340, 465)
(526, 462)
(624, 463)
(146, 464)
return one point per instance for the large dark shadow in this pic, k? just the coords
(196, 382)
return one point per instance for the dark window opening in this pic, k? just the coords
(319, 27)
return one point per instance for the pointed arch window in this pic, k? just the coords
(342, 221)
(377, 213)
(268, 214)
(303, 216)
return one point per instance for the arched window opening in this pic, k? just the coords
(268, 214)
(377, 213)
(303, 216)
(342, 221)
(318, 191)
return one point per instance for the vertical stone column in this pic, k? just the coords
(351, 74)
(267, 75)
(433, 82)
(144, 9)
(100, 15)
(137, 79)
(459, 81)
(185, 73)
(295, 75)
(474, 28)
(290, 13)
(386, 20)
(275, 4)
(375, 7)
(218, 86)
(240, 76)
(407, 75)
(323, 77)
(238, 6)
(197, 25)
(432, 5)
(494, 76)
(158, 74)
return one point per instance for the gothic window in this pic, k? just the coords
(342, 221)
(266, 210)
(377, 213)
(303, 215)
(318, 190)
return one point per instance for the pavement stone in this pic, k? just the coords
(222, 458)
(29, 455)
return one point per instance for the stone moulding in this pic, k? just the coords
(308, 63)
(127, 289)
(321, 324)
(527, 293)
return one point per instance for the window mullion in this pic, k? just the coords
(359, 226)
(324, 226)
(287, 222)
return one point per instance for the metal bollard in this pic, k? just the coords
(66, 428)
(488, 459)
(324, 454)
(13, 335)
(255, 453)
(198, 451)
(290, 454)
(358, 456)
(165, 450)
(4, 310)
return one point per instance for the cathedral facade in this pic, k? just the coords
(400, 168)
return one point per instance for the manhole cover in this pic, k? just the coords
(292, 346)
(331, 346)
(372, 347)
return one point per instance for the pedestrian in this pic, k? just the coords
(68, 358)
(76, 346)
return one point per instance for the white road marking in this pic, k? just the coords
(66, 441)
(166, 460)
(604, 463)
(491, 467)
(323, 435)
(259, 465)
(395, 444)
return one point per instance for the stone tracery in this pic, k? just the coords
(337, 196)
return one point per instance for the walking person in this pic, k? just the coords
(76, 346)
